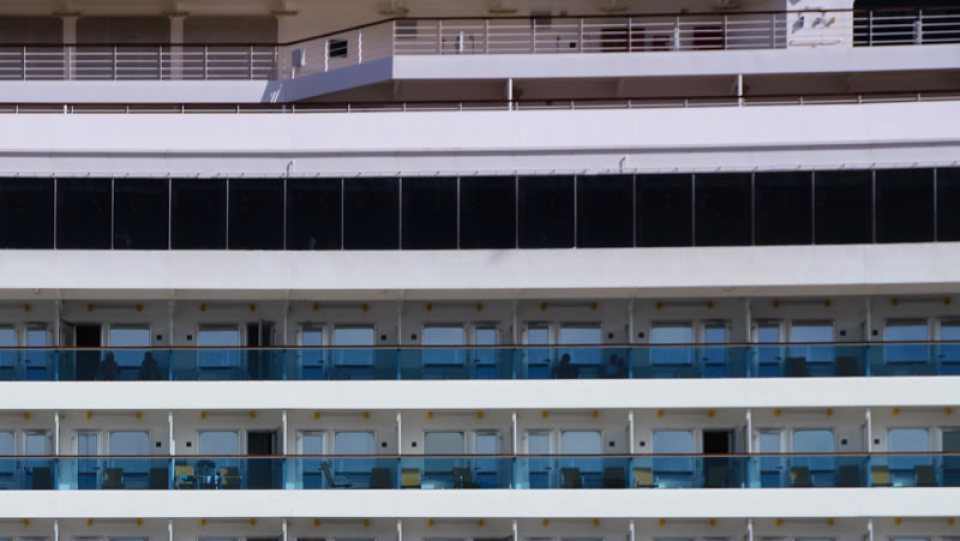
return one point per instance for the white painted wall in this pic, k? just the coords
(439, 504)
(699, 139)
(472, 396)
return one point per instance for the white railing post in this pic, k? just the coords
(206, 50)
(486, 36)
(629, 34)
(918, 28)
(23, 64)
(250, 61)
(114, 62)
(439, 36)
(326, 55)
(723, 33)
(360, 46)
(533, 37)
(676, 33)
(581, 36)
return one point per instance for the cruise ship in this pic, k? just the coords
(479, 270)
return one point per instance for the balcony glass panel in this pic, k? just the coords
(212, 359)
(430, 472)
(812, 470)
(906, 359)
(907, 440)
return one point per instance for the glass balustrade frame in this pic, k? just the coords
(455, 472)
(702, 361)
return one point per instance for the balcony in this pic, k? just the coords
(480, 36)
(521, 472)
(487, 363)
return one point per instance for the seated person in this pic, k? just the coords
(565, 368)
(109, 369)
(149, 369)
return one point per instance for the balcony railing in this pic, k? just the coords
(523, 472)
(484, 363)
(471, 36)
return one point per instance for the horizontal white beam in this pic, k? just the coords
(679, 63)
(931, 268)
(484, 395)
(470, 142)
(638, 503)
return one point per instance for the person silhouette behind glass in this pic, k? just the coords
(109, 369)
(565, 369)
(149, 368)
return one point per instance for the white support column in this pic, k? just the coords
(869, 529)
(632, 531)
(171, 335)
(399, 433)
(176, 42)
(56, 433)
(284, 530)
(283, 431)
(57, 339)
(171, 441)
(510, 94)
(399, 529)
(69, 20)
(739, 89)
(749, 430)
(632, 434)
(868, 319)
(749, 529)
(169, 530)
(516, 323)
(56, 530)
(286, 324)
(516, 532)
(400, 323)
(869, 429)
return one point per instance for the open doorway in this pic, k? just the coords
(716, 467)
(262, 473)
(88, 361)
(260, 365)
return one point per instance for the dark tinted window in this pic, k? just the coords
(141, 214)
(256, 214)
(429, 213)
(546, 212)
(784, 208)
(371, 214)
(843, 207)
(948, 204)
(26, 213)
(488, 212)
(905, 205)
(664, 210)
(313, 214)
(723, 207)
(605, 211)
(199, 214)
(83, 213)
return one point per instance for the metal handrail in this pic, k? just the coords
(620, 345)
(480, 105)
(631, 33)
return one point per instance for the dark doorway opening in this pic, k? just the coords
(262, 471)
(88, 362)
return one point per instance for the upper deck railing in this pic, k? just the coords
(642, 33)
(693, 361)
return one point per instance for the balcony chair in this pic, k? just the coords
(183, 477)
(795, 367)
(716, 476)
(112, 479)
(570, 478)
(42, 479)
(643, 478)
(381, 478)
(410, 478)
(614, 477)
(463, 478)
(848, 476)
(800, 477)
(848, 367)
(880, 476)
(334, 481)
(229, 478)
(925, 475)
